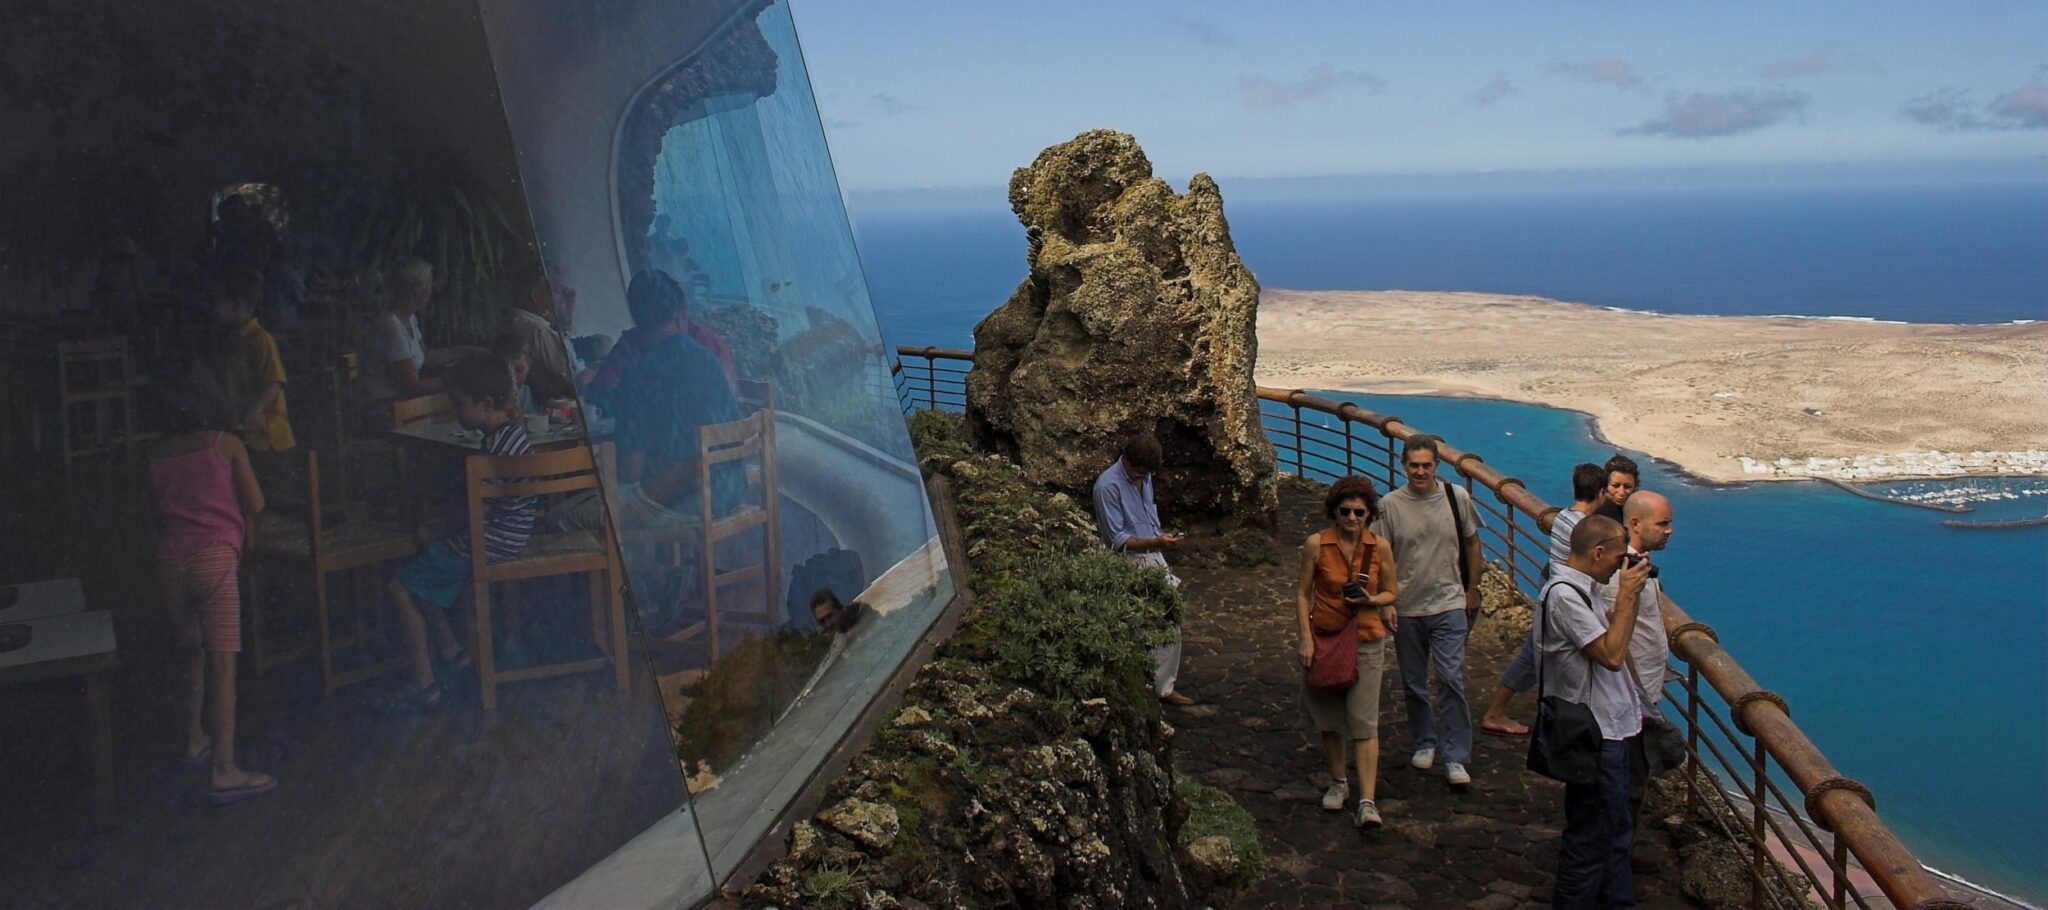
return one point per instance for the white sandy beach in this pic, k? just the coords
(1794, 397)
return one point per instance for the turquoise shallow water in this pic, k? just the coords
(1914, 655)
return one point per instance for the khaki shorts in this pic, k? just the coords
(1354, 712)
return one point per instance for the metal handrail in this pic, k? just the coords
(1839, 805)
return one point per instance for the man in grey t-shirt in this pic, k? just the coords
(1439, 583)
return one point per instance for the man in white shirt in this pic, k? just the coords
(1583, 652)
(553, 373)
(1648, 519)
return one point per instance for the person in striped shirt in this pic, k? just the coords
(1588, 492)
(482, 390)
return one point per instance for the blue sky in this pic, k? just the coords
(921, 94)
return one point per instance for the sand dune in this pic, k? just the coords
(1704, 392)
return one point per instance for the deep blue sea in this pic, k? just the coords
(1915, 656)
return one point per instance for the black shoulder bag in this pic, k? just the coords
(1564, 744)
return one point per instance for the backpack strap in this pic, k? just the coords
(1458, 544)
(1542, 620)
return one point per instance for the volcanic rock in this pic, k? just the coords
(1137, 315)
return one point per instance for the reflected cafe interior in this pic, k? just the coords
(450, 454)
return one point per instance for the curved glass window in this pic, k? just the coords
(780, 552)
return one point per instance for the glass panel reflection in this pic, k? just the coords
(779, 549)
(280, 627)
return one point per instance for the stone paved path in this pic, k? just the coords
(1494, 846)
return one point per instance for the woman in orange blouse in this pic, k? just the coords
(1331, 558)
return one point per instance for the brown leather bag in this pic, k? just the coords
(1335, 664)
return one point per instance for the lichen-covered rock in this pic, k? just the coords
(1137, 314)
(873, 824)
(1213, 859)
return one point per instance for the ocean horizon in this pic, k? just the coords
(1827, 598)
(1968, 253)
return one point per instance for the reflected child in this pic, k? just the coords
(203, 491)
(482, 391)
(250, 365)
(511, 348)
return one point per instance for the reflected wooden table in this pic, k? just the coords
(67, 640)
(452, 439)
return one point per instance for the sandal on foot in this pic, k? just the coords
(1509, 732)
(221, 797)
(198, 761)
(410, 697)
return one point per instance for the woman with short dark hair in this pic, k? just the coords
(1347, 582)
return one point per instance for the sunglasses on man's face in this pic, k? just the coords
(1361, 513)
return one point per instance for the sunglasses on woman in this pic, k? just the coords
(1361, 513)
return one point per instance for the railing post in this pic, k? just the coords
(1299, 471)
(1510, 509)
(1692, 739)
(1839, 862)
(1758, 853)
(1350, 466)
(1387, 443)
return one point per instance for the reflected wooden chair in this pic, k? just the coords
(426, 409)
(95, 399)
(353, 442)
(545, 474)
(748, 442)
(289, 534)
(755, 395)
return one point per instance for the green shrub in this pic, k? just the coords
(1211, 812)
(830, 885)
(938, 436)
(1077, 625)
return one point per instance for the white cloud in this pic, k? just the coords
(1707, 115)
(890, 105)
(1322, 80)
(1494, 90)
(1605, 71)
(1951, 110)
(1820, 62)
(1204, 32)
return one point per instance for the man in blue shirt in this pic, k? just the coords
(1127, 520)
(674, 388)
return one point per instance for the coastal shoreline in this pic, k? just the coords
(1685, 475)
(1724, 400)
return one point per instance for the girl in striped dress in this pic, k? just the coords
(203, 489)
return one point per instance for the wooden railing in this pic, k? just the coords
(1745, 750)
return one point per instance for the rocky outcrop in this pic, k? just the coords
(989, 794)
(1030, 765)
(1137, 314)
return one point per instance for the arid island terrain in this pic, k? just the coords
(1728, 398)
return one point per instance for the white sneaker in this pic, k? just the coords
(1455, 773)
(1333, 798)
(1423, 759)
(1368, 815)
